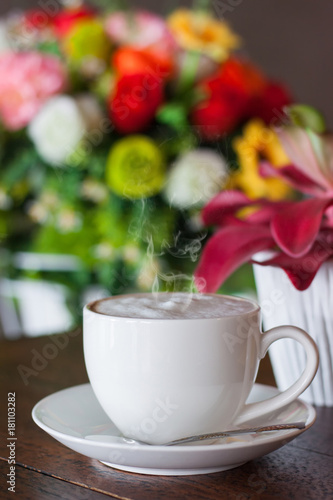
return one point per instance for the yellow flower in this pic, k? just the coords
(87, 41)
(198, 31)
(259, 142)
(135, 167)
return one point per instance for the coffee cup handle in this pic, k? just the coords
(254, 410)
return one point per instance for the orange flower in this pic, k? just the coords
(130, 61)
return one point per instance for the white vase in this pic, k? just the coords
(312, 310)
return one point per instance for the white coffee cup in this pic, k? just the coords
(164, 378)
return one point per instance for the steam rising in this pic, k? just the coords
(142, 229)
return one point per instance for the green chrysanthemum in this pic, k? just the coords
(86, 40)
(135, 167)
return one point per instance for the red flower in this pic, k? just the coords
(229, 96)
(244, 77)
(36, 20)
(135, 101)
(67, 18)
(301, 233)
(215, 117)
(269, 104)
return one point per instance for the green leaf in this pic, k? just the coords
(174, 115)
(50, 47)
(307, 117)
(17, 165)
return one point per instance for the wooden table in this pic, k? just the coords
(45, 469)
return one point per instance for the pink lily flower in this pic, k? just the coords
(299, 233)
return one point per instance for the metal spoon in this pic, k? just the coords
(251, 430)
(216, 435)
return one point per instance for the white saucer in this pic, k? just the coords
(74, 417)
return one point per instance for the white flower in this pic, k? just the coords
(49, 199)
(103, 251)
(41, 210)
(38, 212)
(57, 129)
(69, 221)
(195, 178)
(94, 190)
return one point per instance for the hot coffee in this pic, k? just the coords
(168, 365)
(173, 306)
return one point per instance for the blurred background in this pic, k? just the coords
(68, 233)
(288, 40)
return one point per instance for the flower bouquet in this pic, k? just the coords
(288, 237)
(117, 127)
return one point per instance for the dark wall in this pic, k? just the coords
(290, 40)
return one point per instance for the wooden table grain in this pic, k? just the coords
(45, 469)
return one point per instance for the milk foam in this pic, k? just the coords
(172, 306)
